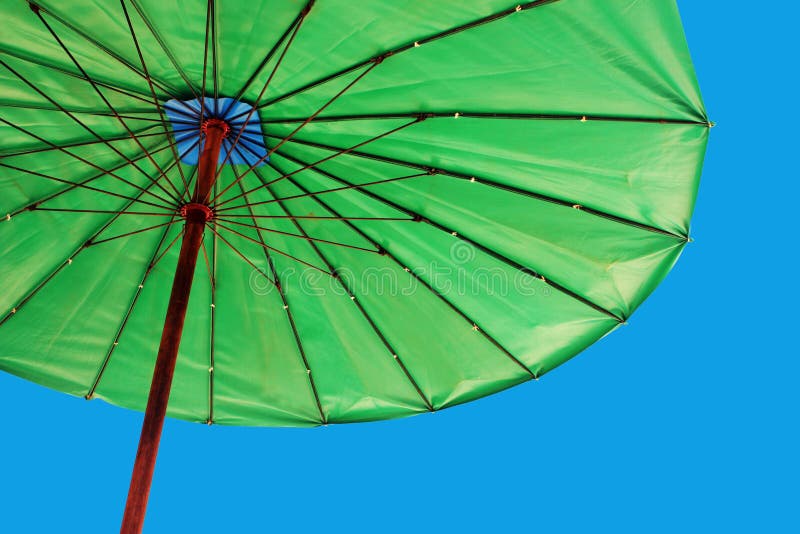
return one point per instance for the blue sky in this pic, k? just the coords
(685, 420)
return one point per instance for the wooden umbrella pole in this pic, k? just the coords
(196, 214)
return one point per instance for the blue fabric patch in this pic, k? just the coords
(184, 117)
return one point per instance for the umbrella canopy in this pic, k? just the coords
(417, 204)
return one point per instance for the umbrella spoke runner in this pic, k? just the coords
(247, 214)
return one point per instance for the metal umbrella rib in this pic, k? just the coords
(420, 218)
(488, 182)
(74, 144)
(289, 317)
(68, 261)
(155, 98)
(38, 9)
(352, 296)
(154, 259)
(127, 91)
(580, 117)
(410, 45)
(411, 273)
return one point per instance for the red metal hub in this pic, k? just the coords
(216, 123)
(196, 212)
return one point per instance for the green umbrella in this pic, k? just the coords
(381, 208)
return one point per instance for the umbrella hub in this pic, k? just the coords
(196, 212)
(216, 123)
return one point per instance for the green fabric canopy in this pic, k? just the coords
(537, 167)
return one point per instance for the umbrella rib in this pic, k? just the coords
(295, 23)
(164, 47)
(514, 264)
(108, 103)
(249, 116)
(120, 330)
(132, 233)
(211, 265)
(82, 184)
(335, 155)
(266, 156)
(35, 205)
(68, 210)
(121, 115)
(334, 190)
(196, 167)
(241, 255)
(395, 355)
(580, 117)
(214, 65)
(190, 116)
(95, 112)
(411, 272)
(132, 93)
(497, 185)
(38, 10)
(32, 293)
(294, 330)
(410, 46)
(153, 91)
(268, 247)
(75, 144)
(85, 127)
(145, 119)
(289, 316)
(229, 215)
(373, 63)
(88, 187)
(171, 244)
(56, 194)
(306, 238)
(289, 234)
(205, 69)
(261, 242)
(321, 218)
(128, 161)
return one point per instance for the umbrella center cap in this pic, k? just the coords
(216, 123)
(194, 212)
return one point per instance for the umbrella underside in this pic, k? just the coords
(415, 207)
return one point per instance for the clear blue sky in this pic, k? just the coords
(684, 421)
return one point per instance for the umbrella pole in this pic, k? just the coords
(196, 214)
